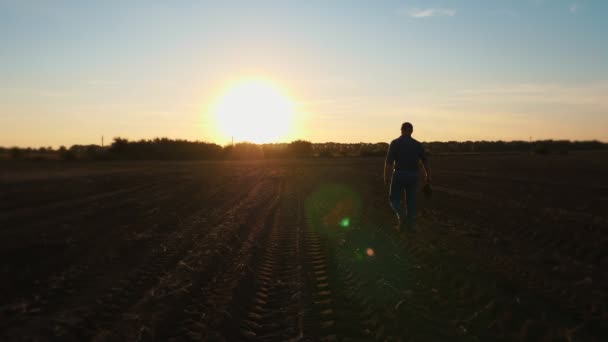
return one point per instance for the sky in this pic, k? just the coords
(72, 71)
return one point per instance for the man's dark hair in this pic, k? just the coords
(407, 126)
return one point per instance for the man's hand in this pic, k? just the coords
(427, 178)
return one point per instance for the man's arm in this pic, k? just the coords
(427, 170)
(389, 164)
(425, 163)
(388, 171)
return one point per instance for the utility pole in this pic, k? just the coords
(233, 141)
(102, 141)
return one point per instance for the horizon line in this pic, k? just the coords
(312, 142)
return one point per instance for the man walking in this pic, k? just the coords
(402, 161)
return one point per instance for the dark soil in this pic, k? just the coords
(508, 248)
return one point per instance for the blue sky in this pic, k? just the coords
(71, 71)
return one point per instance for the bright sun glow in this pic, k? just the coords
(255, 111)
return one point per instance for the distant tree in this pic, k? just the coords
(16, 153)
(162, 149)
(300, 148)
(373, 150)
(228, 151)
(67, 155)
(246, 150)
(119, 147)
(168, 149)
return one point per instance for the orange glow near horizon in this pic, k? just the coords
(254, 111)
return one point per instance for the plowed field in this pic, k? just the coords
(508, 248)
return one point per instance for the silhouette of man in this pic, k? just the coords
(402, 162)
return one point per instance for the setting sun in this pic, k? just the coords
(254, 111)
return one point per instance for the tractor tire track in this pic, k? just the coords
(206, 309)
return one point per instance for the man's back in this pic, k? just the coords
(401, 168)
(406, 152)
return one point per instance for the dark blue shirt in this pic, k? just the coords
(406, 152)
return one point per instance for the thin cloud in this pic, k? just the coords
(589, 97)
(429, 12)
(573, 8)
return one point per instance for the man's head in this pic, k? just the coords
(407, 129)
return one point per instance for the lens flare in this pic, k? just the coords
(331, 206)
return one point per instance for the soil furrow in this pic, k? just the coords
(215, 285)
(162, 248)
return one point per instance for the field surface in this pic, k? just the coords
(511, 247)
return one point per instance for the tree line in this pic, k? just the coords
(170, 149)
